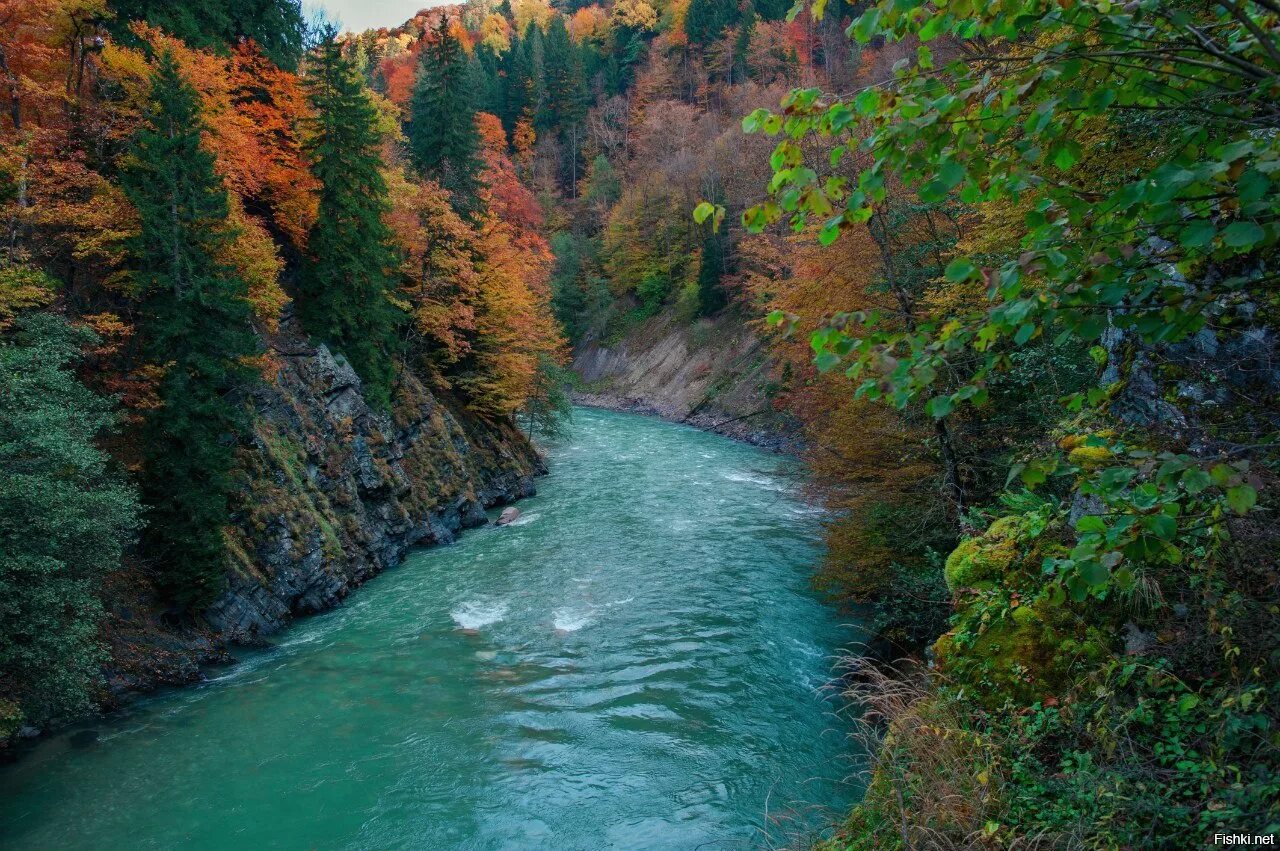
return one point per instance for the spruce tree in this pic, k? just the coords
(566, 101)
(195, 322)
(707, 20)
(348, 272)
(442, 128)
(711, 294)
(517, 73)
(275, 25)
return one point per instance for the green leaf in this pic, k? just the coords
(826, 361)
(1094, 573)
(1195, 481)
(867, 101)
(1197, 234)
(1091, 523)
(1241, 498)
(1242, 234)
(939, 406)
(1065, 158)
(960, 269)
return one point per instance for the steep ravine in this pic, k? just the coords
(333, 494)
(714, 374)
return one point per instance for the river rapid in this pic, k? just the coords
(636, 663)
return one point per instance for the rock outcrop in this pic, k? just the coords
(333, 493)
(714, 375)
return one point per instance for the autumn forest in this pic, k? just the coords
(279, 303)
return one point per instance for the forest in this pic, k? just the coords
(1012, 265)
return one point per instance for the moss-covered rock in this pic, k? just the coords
(987, 557)
(1012, 638)
(1090, 457)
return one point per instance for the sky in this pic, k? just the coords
(357, 15)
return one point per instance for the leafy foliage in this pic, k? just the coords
(65, 517)
(1118, 164)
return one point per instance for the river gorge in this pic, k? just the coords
(636, 662)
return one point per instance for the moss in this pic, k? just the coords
(1090, 457)
(987, 557)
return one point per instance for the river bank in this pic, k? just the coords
(331, 492)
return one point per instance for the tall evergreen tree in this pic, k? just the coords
(442, 128)
(196, 322)
(566, 101)
(711, 294)
(348, 272)
(276, 25)
(707, 20)
(517, 75)
(566, 104)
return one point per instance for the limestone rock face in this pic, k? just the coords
(509, 515)
(331, 493)
(714, 375)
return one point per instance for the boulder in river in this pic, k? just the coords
(509, 515)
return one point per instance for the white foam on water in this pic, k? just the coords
(474, 614)
(619, 602)
(524, 518)
(765, 482)
(566, 620)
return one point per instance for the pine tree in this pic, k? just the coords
(275, 25)
(707, 20)
(442, 130)
(195, 322)
(516, 72)
(711, 294)
(566, 98)
(566, 90)
(347, 276)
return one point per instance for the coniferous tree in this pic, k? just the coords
(195, 322)
(519, 84)
(348, 273)
(535, 48)
(566, 98)
(707, 20)
(566, 90)
(275, 25)
(442, 129)
(711, 294)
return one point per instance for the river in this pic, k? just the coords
(636, 663)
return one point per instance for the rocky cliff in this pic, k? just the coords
(712, 374)
(332, 494)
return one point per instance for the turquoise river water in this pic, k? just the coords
(637, 663)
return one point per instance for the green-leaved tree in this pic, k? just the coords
(64, 519)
